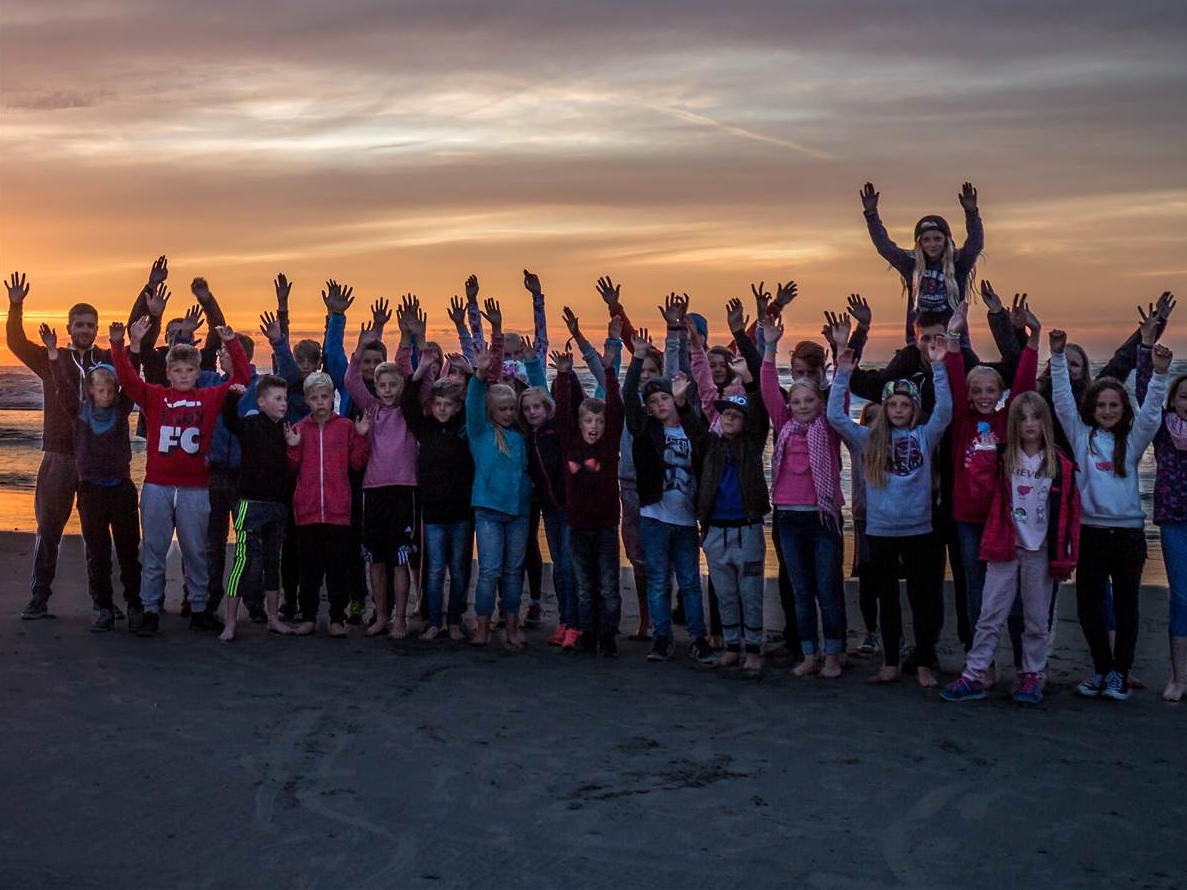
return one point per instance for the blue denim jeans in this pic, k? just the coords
(1174, 554)
(968, 542)
(668, 548)
(556, 530)
(595, 571)
(814, 552)
(447, 546)
(502, 540)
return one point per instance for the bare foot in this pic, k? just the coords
(337, 630)
(728, 659)
(1135, 683)
(480, 638)
(228, 633)
(397, 630)
(431, 633)
(304, 629)
(1174, 690)
(278, 627)
(926, 678)
(377, 628)
(832, 667)
(806, 667)
(456, 633)
(752, 664)
(888, 674)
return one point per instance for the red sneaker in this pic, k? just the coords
(572, 637)
(558, 638)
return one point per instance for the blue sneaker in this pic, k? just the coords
(1116, 687)
(1092, 687)
(1030, 690)
(661, 649)
(963, 689)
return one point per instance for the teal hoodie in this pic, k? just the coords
(501, 481)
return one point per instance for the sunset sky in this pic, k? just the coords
(686, 146)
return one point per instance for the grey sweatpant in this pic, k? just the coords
(53, 500)
(164, 508)
(736, 568)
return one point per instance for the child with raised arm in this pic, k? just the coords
(501, 495)
(179, 419)
(1107, 444)
(262, 511)
(322, 448)
(936, 273)
(1029, 541)
(445, 472)
(897, 455)
(107, 507)
(389, 483)
(590, 442)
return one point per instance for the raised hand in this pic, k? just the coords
(734, 319)
(225, 333)
(968, 198)
(680, 387)
(18, 288)
(158, 300)
(283, 288)
(869, 198)
(139, 329)
(457, 312)
(989, 296)
(1058, 340)
(785, 293)
(159, 272)
(859, 309)
(493, 315)
(417, 321)
(837, 327)
(762, 300)
(292, 436)
(115, 332)
(337, 297)
(1162, 359)
(741, 369)
(381, 312)
(1149, 325)
(460, 362)
(572, 323)
(1032, 323)
(191, 321)
(482, 359)
(472, 288)
(362, 426)
(270, 327)
(614, 329)
(1018, 311)
(674, 308)
(959, 320)
(367, 334)
(562, 361)
(641, 342)
(772, 329)
(201, 291)
(50, 338)
(695, 340)
(937, 349)
(1166, 305)
(609, 291)
(526, 345)
(531, 281)
(846, 360)
(427, 367)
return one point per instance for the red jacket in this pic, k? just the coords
(988, 479)
(321, 459)
(178, 425)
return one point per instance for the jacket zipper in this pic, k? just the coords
(321, 469)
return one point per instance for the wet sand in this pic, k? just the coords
(320, 763)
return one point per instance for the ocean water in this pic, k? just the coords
(20, 456)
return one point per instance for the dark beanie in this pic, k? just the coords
(656, 384)
(932, 223)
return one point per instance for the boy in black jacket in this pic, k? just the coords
(264, 490)
(445, 479)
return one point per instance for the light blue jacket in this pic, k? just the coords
(501, 481)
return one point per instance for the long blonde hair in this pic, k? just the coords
(876, 456)
(947, 266)
(1050, 462)
(499, 392)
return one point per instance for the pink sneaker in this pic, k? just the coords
(558, 638)
(572, 636)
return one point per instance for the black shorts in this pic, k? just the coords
(390, 524)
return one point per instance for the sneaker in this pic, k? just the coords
(117, 613)
(870, 645)
(1115, 687)
(572, 636)
(1030, 690)
(532, 620)
(37, 609)
(135, 617)
(1092, 687)
(205, 620)
(963, 689)
(701, 652)
(608, 645)
(661, 649)
(354, 613)
(150, 625)
(431, 633)
(104, 621)
(558, 636)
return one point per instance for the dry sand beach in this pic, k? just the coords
(320, 763)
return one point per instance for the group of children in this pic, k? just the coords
(363, 473)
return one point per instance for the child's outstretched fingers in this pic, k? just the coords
(115, 332)
(1058, 340)
(846, 360)
(1162, 359)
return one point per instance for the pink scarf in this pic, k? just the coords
(824, 454)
